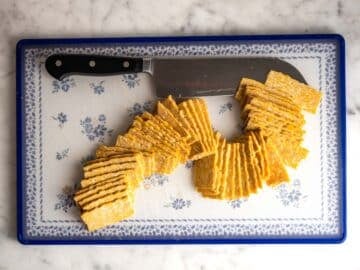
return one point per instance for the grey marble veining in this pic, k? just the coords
(78, 18)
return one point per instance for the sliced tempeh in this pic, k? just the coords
(278, 173)
(108, 213)
(303, 95)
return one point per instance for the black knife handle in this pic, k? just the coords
(62, 65)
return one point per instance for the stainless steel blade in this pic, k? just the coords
(189, 77)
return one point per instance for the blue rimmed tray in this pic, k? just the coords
(59, 124)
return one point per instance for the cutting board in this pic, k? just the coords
(60, 124)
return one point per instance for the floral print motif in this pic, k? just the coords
(237, 203)
(63, 154)
(61, 118)
(178, 203)
(131, 80)
(138, 108)
(64, 85)
(66, 198)
(86, 159)
(98, 87)
(225, 107)
(290, 194)
(155, 180)
(189, 164)
(95, 130)
(240, 126)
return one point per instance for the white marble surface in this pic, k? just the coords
(36, 18)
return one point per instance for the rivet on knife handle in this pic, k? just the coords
(62, 65)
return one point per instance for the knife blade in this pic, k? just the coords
(181, 77)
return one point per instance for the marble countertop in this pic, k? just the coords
(80, 18)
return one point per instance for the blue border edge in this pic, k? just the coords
(71, 41)
(19, 141)
(342, 104)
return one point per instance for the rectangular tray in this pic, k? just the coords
(59, 124)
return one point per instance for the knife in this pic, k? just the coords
(181, 77)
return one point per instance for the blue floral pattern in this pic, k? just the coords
(189, 164)
(240, 126)
(86, 159)
(64, 85)
(178, 203)
(66, 198)
(95, 130)
(225, 107)
(61, 118)
(155, 180)
(131, 80)
(98, 88)
(138, 108)
(290, 194)
(62, 154)
(237, 203)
